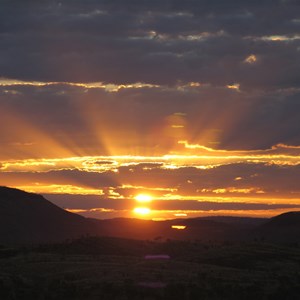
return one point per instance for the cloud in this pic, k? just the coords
(152, 42)
(84, 119)
(193, 99)
(251, 59)
(243, 176)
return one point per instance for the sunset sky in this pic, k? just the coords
(157, 109)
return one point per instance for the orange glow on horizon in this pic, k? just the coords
(178, 227)
(59, 189)
(142, 211)
(163, 215)
(180, 215)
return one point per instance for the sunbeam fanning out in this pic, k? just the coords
(186, 109)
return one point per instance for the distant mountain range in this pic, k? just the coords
(30, 218)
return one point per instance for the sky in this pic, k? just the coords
(194, 104)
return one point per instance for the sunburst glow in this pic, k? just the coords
(143, 198)
(142, 211)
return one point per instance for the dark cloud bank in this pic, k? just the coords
(160, 42)
(253, 46)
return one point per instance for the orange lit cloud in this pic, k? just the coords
(180, 102)
(93, 85)
(205, 173)
(251, 59)
(59, 189)
(200, 156)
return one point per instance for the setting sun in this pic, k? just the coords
(142, 211)
(144, 198)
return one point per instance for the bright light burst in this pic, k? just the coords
(143, 198)
(142, 211)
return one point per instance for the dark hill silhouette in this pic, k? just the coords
(287, 219)
(27, 217)
(282, 228)
(30, 218)
(146, 229)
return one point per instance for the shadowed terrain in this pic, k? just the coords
(27, 217)
(282, 228)
(30, 218)
(43, 256)
(115, 268)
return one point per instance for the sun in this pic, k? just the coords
(143, 198)
(143, 211)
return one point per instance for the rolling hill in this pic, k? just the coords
(30, 218)
(282, 228)
(27, 217)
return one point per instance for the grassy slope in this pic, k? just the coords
(109, 268)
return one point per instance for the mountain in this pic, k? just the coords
(27, 217)
(282, 228)
(147, 229)
(30, 218)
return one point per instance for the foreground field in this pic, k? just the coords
(112, 268)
